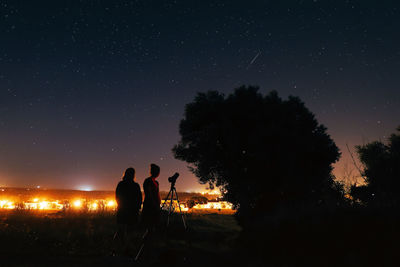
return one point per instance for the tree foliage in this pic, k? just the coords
(381, 164)
(260, 150)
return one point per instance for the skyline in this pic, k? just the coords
(91, 88)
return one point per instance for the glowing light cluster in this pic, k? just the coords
(214, 205)
(183, 208)
(175, 205)
(77, 204)
(220, 205)
(94, 206)
(6, 204)
(215, 192)
(111, 203)
(98, 205)
(43, 205)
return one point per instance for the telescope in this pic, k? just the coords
(173, 178)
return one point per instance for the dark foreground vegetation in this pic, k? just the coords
(353, 237)
(86, 239)
(273, 160)
(347, 237)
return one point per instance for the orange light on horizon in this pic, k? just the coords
(111, 203)
(10, 205)
(77, 203)
(94, 206)
(2, 203)
(43, 205)
(6, 204)
(183, 207)
(211, 192)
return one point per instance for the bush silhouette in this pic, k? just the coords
(263, 152)
(199, 199)
(381, 171)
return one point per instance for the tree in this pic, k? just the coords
(261, 151)
(199, 199)
(381, 171)
(190, 203)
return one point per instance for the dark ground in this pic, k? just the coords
(353, 237)
(82, 239)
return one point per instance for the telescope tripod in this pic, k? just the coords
(171, 207)
(171, 196)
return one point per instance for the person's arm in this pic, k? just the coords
(139, 196)
(147, 193)
(118, 194)
(158, 199)
(156, 195)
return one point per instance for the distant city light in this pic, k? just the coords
(77, 203)
(6, 204)
(43, 205)
(94, 206)
(105, 205)
(211, 192)
(111, 203)
(85, 188)
(3, 203)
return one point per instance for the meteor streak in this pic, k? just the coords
(254, 59)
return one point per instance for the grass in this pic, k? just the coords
(347, 237)
(352, 237)
(85, 239)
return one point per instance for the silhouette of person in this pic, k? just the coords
(152, 199)
(129, 200)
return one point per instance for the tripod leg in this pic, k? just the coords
(115, 235)
(144, 238)
(180, 210)
(170, 210)
(114, 245)
(139, 252)
(145, 234)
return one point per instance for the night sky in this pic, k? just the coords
(89, 88)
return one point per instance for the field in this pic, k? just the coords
(352, 236)
(31, 238)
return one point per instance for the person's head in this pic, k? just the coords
(129, 174)
(154, 170)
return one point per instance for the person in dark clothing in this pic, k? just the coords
(152, 200)
(151, 208)
(129, 200)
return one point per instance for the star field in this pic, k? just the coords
(89, 88)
